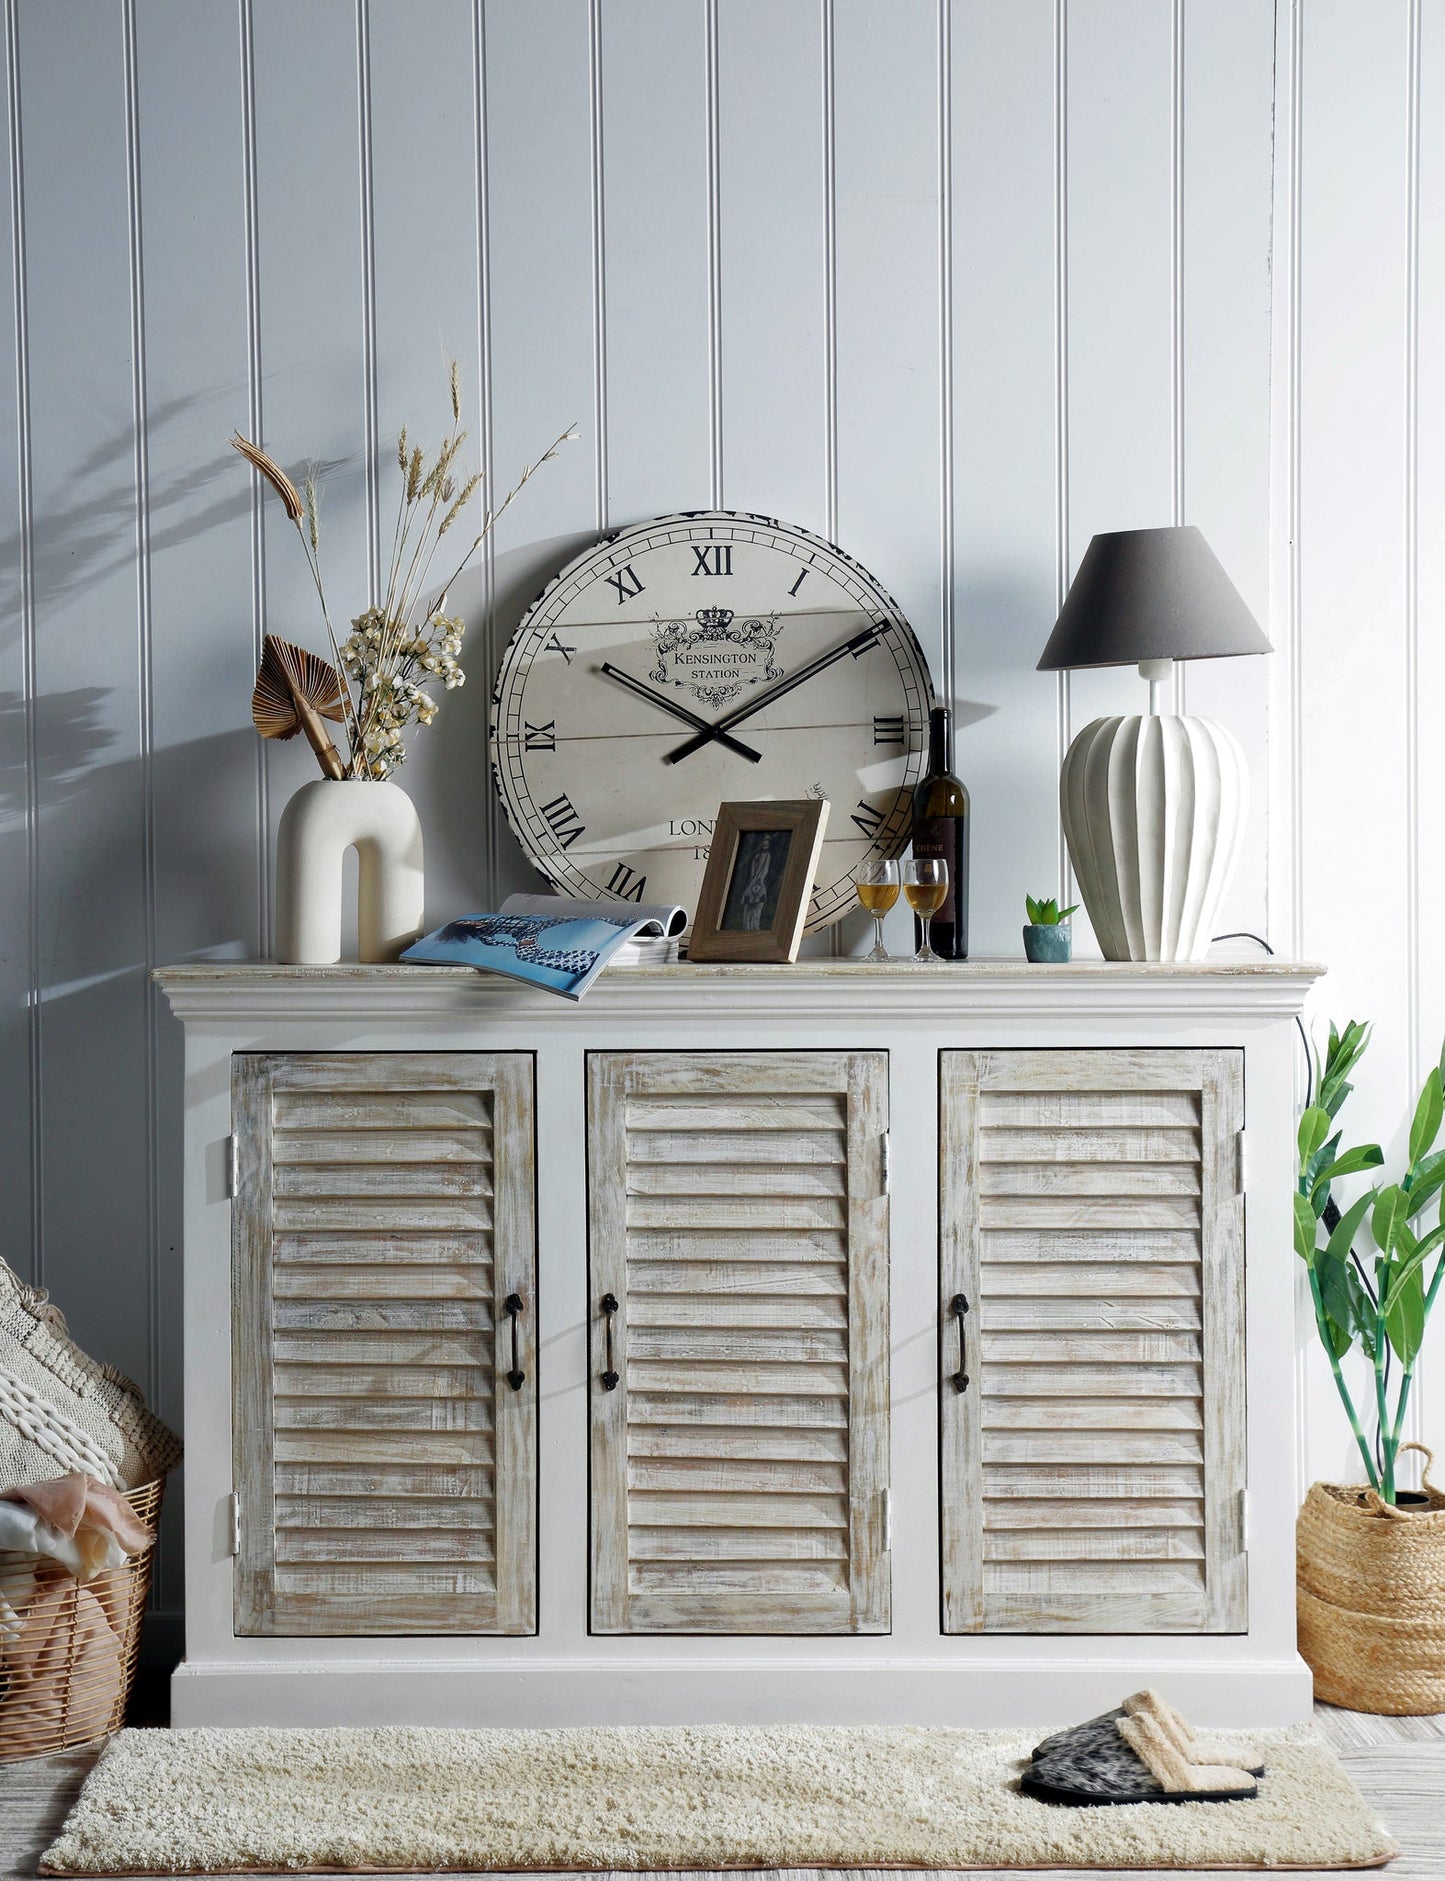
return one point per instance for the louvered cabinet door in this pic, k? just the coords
(1092, 1233)
(385, 1463)
(738, 1222)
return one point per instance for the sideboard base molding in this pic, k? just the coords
(999, 1696)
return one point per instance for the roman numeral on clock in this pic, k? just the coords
(627, 582)
(888, 731)
(714, 560)
(626, 883)
(544, 737)
(869, 820)
(799, 582)
(554, 645)
(563, 820)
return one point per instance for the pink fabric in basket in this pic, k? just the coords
(90, 1512)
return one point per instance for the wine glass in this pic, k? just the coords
(925, 884)
(877, 881)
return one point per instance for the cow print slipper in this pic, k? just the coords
(1144, 1752)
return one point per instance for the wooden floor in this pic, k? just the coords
(1399, 1763)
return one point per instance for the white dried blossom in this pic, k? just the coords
(388, 658)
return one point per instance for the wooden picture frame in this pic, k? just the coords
(755, 893)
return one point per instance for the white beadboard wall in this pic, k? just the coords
(956, 282)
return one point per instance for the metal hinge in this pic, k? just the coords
(885, 1497)
(233, 1165)
(885, 1143)
(235, 1522)
(1242, 1161)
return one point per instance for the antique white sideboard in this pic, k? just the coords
(827, 1343)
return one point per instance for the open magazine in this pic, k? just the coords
(550, 942)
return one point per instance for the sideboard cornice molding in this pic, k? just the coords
(246, 992)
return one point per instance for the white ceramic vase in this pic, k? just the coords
(321, 822)
(1153, 810)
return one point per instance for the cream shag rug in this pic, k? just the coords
(401, 1800)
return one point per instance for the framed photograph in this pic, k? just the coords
(754, 896)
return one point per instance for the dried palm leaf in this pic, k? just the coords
(294, 692)
(272, 472)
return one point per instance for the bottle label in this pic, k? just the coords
(939, 836)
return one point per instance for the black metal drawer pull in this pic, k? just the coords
(512, 1307)
(958, 1306)
(609, 1308)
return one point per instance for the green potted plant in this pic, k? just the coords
(1048, 936)
(1371, 1556)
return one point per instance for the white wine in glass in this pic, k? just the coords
(925, 884)
(877, 882)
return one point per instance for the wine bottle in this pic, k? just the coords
(940, 828)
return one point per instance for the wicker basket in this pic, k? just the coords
(1372, 1598)
(67, 1652)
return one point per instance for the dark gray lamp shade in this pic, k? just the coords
(1150, 594)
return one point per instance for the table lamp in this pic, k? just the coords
(1153, 807)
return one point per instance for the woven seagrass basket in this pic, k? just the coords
(68, 1652)
(1371, 1586)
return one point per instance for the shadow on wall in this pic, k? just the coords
(91, 532)
(69, 733)
(203, 802)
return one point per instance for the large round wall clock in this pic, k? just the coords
(696, 660)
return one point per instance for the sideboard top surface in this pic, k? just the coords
(242, 990)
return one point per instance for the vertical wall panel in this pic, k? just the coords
(1005, 378)
(1119, 129)
(91, 883)
(1222, 281)
(772, 256)
(420, 247)
(545, 324)
(655, 264)
(1352, 322)
(1352, 307)
(1428, 599)
(18, 1124)
(203, 768)
(543, 319)
(886, 165)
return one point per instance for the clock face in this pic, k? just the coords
(668, 631)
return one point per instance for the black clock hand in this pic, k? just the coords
(705, 730)
(860, 643)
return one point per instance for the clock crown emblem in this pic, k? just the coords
(714, 622)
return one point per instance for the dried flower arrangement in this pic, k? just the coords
(399, 643)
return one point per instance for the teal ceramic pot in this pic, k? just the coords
(1053, 943)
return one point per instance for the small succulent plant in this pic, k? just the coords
(1047, 913)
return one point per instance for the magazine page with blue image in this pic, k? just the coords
(547, 941)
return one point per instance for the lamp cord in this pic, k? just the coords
(1244, 933)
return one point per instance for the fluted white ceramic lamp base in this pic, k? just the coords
(321, 822)
(1153, 810)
